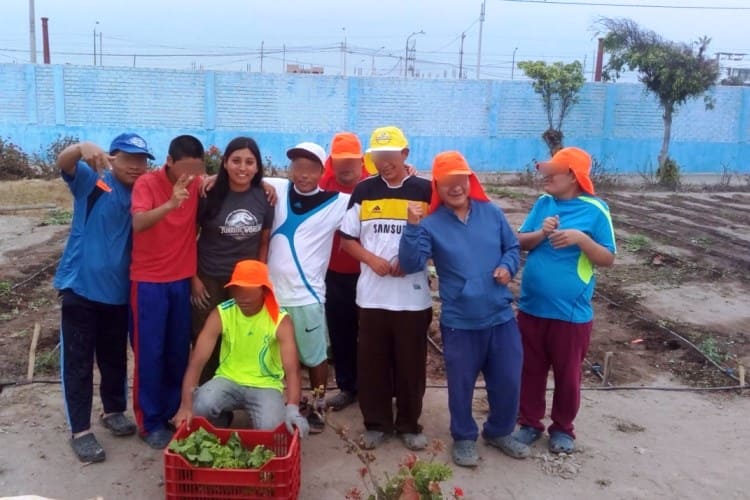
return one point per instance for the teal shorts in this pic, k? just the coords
(310, 332)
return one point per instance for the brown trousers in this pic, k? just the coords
(219, 294)
(392, 354)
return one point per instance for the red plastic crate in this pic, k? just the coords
(279, 478)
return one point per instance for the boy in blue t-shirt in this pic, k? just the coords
(93, 283)
(567, 233)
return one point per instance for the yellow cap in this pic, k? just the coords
(389, 138)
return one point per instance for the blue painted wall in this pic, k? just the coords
(496, 124)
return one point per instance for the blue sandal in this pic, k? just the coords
(527, 435)
(560, 442)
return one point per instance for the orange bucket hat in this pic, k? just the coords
(453, 163)
(345, 145)
(575, 160)
(252, 273)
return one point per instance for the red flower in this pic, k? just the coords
(409, 460)
(363, 471)
(353, 494)
(458, 492)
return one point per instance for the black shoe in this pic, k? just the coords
(341, 400)
(317, 424)
(158, 439)
(119, 425)
(88, 449)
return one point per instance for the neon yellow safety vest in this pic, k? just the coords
(250, 353)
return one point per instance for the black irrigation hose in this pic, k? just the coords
(722, 369)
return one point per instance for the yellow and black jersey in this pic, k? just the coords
(376, 216)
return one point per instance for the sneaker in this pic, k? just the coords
(527, 435)
(341, 400)
(158, 439)
(87, 448)
(560, 442)
(371, 439)
(415, 442)
(508, 445)
(118, 424)
(465, 453)
(316, 422)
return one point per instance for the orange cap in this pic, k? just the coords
(453, 163)
(575, 160)
(345, 145)
(252, 273)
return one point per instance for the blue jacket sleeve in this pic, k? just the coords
(414, 248)
(509, 247)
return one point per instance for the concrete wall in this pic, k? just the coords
(496, 124)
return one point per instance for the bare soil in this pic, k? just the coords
(683, 266)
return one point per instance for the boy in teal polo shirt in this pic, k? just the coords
(567, 233)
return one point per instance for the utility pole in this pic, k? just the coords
(513, 64)
(32, 32)
(343, 53)
(261, 56)
(95, 42)
(413, 51)
(599, 61)
(100, 48)
(461, 58)
(45, 40)
(479, 51)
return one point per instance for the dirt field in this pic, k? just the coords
(683, 268)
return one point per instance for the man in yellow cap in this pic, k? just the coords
(257, 352)
(476, 254)
(395, 308)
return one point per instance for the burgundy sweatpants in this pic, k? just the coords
(562, 346)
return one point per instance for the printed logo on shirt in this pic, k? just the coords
(240, 225)
(387, 228)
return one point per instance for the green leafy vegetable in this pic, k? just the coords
(203, 449)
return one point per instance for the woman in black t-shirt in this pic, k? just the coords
(235, 222)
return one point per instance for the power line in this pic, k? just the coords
(639, 5)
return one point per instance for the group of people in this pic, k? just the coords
(229, 283)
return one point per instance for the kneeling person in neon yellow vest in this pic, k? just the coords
(257, 352)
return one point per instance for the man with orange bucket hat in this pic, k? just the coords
(567, 233)
(476, 254)
(344, 168)
(257, 352)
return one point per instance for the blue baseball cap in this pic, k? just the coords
(130, 143)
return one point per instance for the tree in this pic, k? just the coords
(559, 85)
(674, 72)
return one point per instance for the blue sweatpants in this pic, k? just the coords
(161, 314)
(496, 352)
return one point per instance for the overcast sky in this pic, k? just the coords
(184, 32)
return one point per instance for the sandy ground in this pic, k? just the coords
(633, 445)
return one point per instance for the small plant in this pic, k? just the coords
(668, 174)
(415, 479)
(527, 177)
(57, 217)
(647, 173)
(270, 169)
(636, 243)
(213, 157)
(504, 192)
(726, 176)
(710, 347)
(45, 162)
(601, 175)
(48, 361)
(14, 163)
(5, 287)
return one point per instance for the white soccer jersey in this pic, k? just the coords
(301, 241)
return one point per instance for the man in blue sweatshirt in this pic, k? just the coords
(476, 254)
